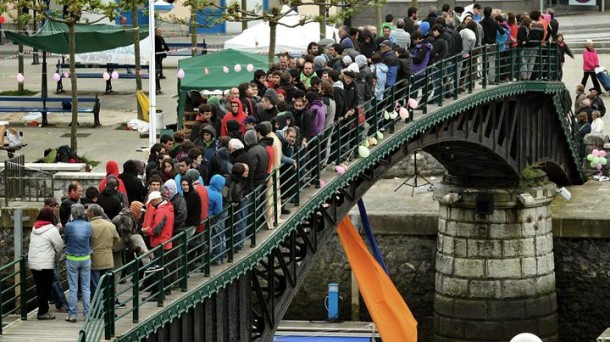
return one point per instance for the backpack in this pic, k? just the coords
(66, 155)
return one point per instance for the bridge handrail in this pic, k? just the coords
(191, 254)
(239, 223)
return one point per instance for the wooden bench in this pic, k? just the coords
(23, 104)
(110, 67)
(10, 150)
(189, 121)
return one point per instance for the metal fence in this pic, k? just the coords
(24, 184)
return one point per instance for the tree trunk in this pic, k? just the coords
(272, 34)
(74, 126)
(322, 9)
(244, 7)
(136, 51)
(193, 31)
(378, 21)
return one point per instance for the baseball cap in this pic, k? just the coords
(153, 196)
(386, 43)
(250, 120)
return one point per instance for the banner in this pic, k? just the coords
(582, 2)
(388, 309)
(123, 55)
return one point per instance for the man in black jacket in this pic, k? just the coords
(491, 28)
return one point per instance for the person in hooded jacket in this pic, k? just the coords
(381, 73)
(170, 193)
(364, 81)
(133, 184)
(203, 118)
(109, 198)
(420, 52)
(220, 163)
(215, 205)
(318, 112)
(267, 109)
(45, 244)
(193, 202)
(208, 143)
(153, 158)
(236, 113)
(238, 154)
(259, 159)
(237, 198)
(112, 168)
(367, 43)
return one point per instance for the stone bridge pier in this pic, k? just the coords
(495, 274)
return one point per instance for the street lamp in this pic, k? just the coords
(160, 6)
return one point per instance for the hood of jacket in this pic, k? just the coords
(112, 168)
(170, 184)
(217, 183)
(240, 109)
(130, 167)
(361, 61)
(42, 227)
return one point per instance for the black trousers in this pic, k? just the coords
(585, 77)
(44, 283)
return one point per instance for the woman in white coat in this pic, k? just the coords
(45, 244)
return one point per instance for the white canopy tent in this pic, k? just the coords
(288, 39)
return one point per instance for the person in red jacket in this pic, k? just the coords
(112, 169)
(236, 113)
(160, 231)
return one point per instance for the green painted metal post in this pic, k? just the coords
(184, 267)
(470, 73)
(296, 178)
(539, 60)
(23, 286)
(318, 166)
(207, 247)
(1, 313)
(513, 55)
(231, 223)
(456, 76)
(161, 277)
(375, 111)
(441, 87)
(276, 213)
(498, 63)
(111, 314)
(485, 68)
(425, 91)
(135, 291)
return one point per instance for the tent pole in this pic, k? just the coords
(44, 89)
(152, 74)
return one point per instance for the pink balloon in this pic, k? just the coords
(340, 170)
(250, 68)
(412, 103)
(56, 77)
(106, 76)
(595, 152)
(180, 74)
(602, 153)
(322, 183)
(115, 75)
(20, 78)
(225, 69)
(206, 71)
(237, 68)
(404, 113)
(66, 74)
(598, 167)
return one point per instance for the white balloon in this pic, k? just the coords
(526, 337)
(237, 68)
(106, 76)
(20, 78)
(115, 75)
(250, 68)
(56, 77)
(180, 74)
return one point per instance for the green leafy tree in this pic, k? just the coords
(73, 10)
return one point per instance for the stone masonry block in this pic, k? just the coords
(448, 244)
(514, 288)
(484, 248)
(471, 309)
(450, 228)
(460, 247)
(444, 264)
(544, 244)
(441, 225)
(504, 268)
(466, 230)
(545, 264)
(469, 268)
(540, 306)
(518, 248)
(498, 216)
(453, 287)
(484, 288)
(461, 215)
(514, 327)
(530, 229)
(505, 309)
(443, 212)
(547, 325)
(505, 231)
(529, 267)
(482, 331)
(450, 327)
(545, 284)
(444, 305)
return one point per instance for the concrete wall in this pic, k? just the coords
(582, 267)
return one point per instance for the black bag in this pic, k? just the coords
(66, 105)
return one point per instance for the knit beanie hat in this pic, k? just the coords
(267, 125)
(250, 138)
(136, 209)
(272, 94)
(214, 101)
(193, 174)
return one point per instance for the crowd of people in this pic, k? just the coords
(244, 146)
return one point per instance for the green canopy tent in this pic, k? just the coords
(197, 78)
(53, 37)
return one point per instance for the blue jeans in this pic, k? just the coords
(95, 279)
(219, 239)
(79, 270)
(57, 292)
(239, 235)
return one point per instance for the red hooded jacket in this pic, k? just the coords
(112, 168)
(163, 214)
(240, 117)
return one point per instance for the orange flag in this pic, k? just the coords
(390, 313)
